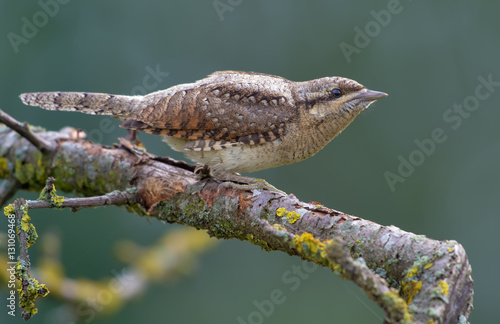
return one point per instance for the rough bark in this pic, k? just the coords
(413, 278)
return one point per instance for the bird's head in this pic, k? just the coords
(336, 95)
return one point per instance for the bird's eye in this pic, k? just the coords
(336, 93)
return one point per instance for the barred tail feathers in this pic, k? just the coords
(88, 103)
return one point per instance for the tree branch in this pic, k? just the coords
(412, 277)
(23, 129)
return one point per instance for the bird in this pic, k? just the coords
(232, 122)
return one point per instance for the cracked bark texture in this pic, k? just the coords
(413, 278)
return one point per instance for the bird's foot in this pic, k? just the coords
(235, 180)
(132, 138)
(247, 183)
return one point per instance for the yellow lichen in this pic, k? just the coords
(25, 222)
(31, 290)
(292, 216)
(427, 266)
(307, 240)
(443, 287)
(55, 199)
(410, 286)
(430, 322)
(450, 249)
(28, 228)
(397, 305)
(8, 210)
(315, 250)
(412, 272)
(58, 200)
(307, 243)
(323, 249)
(27, 299)
(410, 289)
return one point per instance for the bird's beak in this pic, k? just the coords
(370, 95)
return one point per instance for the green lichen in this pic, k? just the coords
(192, 210)
(440, 273)
(23, 172)
(432, 313)
(40, 171)
(278, 227)
(30, 173)
(101, 173)
(360, 242)
(4, 173)
(349, 228)
(292, 216)
(263, 244)
(137, 209)
(418, 238)
(381, 272)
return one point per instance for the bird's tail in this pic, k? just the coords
(89, 103)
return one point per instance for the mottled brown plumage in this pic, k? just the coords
(232, 121)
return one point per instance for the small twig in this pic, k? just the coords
(49, 188)
(113, 198)
(30, 287)
(24, 130)
(375, 286)
(8, 188)
(19, 204)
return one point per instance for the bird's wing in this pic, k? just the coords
(228, 112)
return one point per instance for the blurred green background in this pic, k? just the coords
(427, 55)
